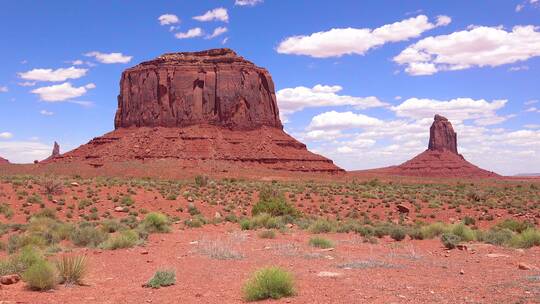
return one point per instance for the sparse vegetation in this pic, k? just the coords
(320, 242)
(41, 276)
(269, 283)
(162, 278)
(71, 269)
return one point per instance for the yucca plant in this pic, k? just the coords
(71, 269)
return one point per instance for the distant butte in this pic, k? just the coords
(55, 152)
(441, 159)
(3, 161)
(202, 109)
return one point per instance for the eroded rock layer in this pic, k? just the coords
(266, 147)
(211, 87)
(3, 161)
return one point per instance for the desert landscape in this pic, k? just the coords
(202, 194)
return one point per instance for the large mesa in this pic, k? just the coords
(209, 110)
(215, 87)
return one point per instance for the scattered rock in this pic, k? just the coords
(328, 274)
(120, 209)
(217, 215)
(402, 208)
(525, 266)
(462, 272)
(9, 279)
(497, 255)
(75, 184)
(462, 247)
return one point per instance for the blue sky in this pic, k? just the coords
(358, 81)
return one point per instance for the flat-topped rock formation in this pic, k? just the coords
(441, 159)
(210, 107)
(214, 87)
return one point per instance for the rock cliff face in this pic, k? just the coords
(441, 159)
(215, 87)
(3, 161)
(442, 136)
(210, 109)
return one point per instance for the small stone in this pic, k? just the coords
(144, 252)
(217, 215)
(328, 274)
(462, 272)
(74, 184)
(524, 266)
(497, 255)
(462, 247)
(9, 279)
(120, 209)
(402, 208)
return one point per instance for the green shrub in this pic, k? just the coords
(71, 269)
(267, 234)
(18, 263)
(274, 203)
(322, 226)
(320, 242)
(125, 239)
(162, 278)
(465, 233)
(450, 240)
(432, 230)
(40, 276)
(111, 225)
(496, 236)
(526, 239)
(88, 236)
(156, 222)
(269, 283)
(469, 221)
(515, 225)
(196, 222)
(398, 233)
(201, 180)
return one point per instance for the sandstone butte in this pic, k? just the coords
(441, 159)
(3, 161)
(200, 108)
(55, 152)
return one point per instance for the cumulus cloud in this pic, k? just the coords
(62, 92)
(109, 58)
(3, 89)
(292, 100)
(168, 19)
(333, 120)
(24, 151)
(6, 135)
(345, 41)
(476, 47)
(482, 111)
(532, 101)
(217, 14)
(247, 2)
(61, 74)
(191, 33)
(218, 31)
(46, 113)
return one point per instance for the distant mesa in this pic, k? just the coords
(3, 161)
(441, 159)
(199, 108)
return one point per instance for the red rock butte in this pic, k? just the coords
(3, 161)
(441, 159)
(211, 107)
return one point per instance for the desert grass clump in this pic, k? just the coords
(274, 203)
(450, 240)
(156, 222)
(162, 278)
(125, 239)
(322, 226)
(88, 236)
(51, 185)
(71, 269)
(526, 239)
(320, 242)
(218, 250)
(398, 233)
(465, 233)
(267, 234)
(41, 276)
(269, 283)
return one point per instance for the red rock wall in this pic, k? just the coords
(442, 136)
(214, 87)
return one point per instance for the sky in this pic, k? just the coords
(357, 81)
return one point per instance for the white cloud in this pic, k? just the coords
(191, 33)
(6, 135)
(292, 100)
(532, 101)
(519, 7)
(341, 120)
(218, 14)
(478, 46)
(61, 92)
(519, 68)
(168, 19)
(77, 62)
(459, 109)
(218, 31)
(27, 83)
(24, 151)
(3, 89)
(46, 113)
(109, 58)
(247, 2)
(346, 41)
(61, 74)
